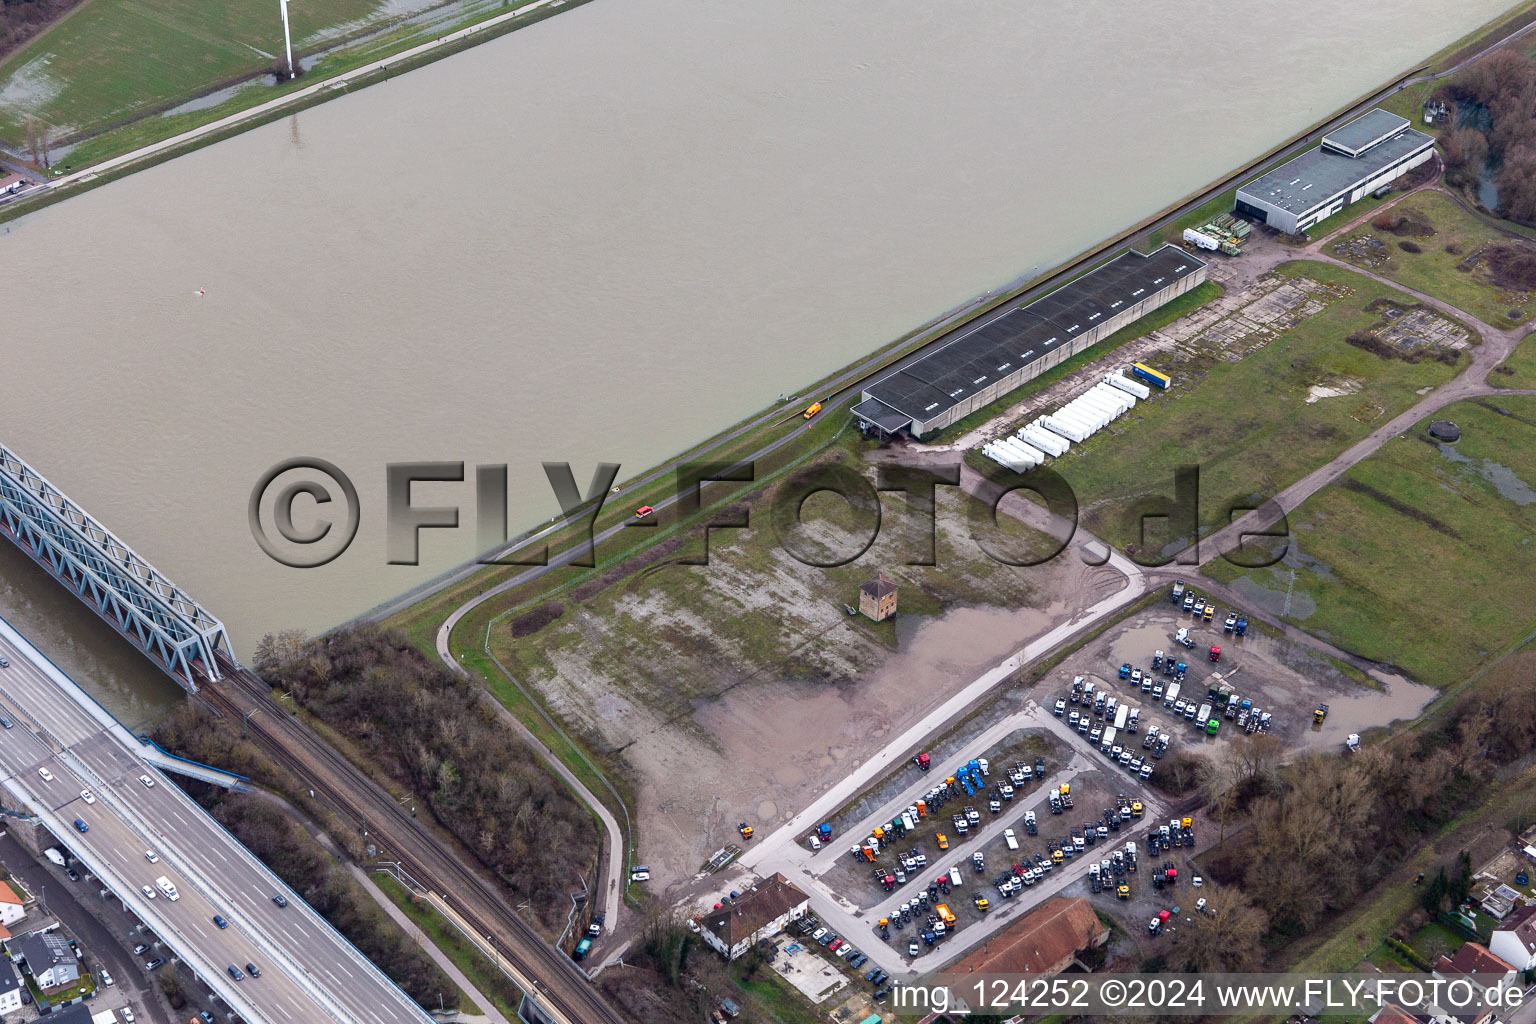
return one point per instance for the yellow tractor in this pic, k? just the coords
(745, 830)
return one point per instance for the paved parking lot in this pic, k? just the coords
(855, 916)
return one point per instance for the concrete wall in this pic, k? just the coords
(1086, 340)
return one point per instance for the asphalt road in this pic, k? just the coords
(57, 752)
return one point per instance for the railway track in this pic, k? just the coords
(564, 994)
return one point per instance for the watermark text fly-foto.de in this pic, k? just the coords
(305, 512)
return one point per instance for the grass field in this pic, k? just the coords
(1247, 424)
(1435, 270)
(112, 59)
(1421, 556)
(1521, 365)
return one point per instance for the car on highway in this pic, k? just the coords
(158, 961)
(4, 663)
(253, 970)
(643, 511)
(149, 782)
(149, 894)
(46, 774)
(6, 722)
(218, 919)
(235, 972)
(280, 900)
(152, 856)
(85, 795)
(81, 826)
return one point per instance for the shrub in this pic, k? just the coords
(1409, 247)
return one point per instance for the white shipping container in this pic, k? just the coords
(1045, 440)
(1094, 402)
(1072, 433)
(1002, 458)
(1114, 395)
(1130, 387)
(1035, 450)
(1022, 453)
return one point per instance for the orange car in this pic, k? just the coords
(643, 511)
(812, 411)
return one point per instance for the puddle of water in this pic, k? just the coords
(1487, 187)
(1360, 709)
(1137, 644)
(213, 99)
(1510, 487)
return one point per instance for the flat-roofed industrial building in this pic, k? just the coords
(996, 356)
(1353, 160)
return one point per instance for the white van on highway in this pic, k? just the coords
(166, 887)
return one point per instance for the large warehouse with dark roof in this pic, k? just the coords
(991, 359)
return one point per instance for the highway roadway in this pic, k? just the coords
(56, 751)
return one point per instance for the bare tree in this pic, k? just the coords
(1224, 938)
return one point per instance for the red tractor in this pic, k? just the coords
(1215, 653)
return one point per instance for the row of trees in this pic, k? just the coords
(430, 730)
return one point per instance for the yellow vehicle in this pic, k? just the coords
(1210, 612)
(1188, 823)
(745, 830)
(943, 841)
(879, 832)
(813, 410)
(1056, 856)
(982, 904)
(1136, 809)
(1066, 790)
(944, 913)
(1124, 892)
(922, 808)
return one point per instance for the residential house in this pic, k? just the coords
(1514, 940)
(756, 914)
(1473, 963)
(49, 957)
(10, 989)
(12, 909)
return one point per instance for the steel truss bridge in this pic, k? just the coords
(156, 616)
